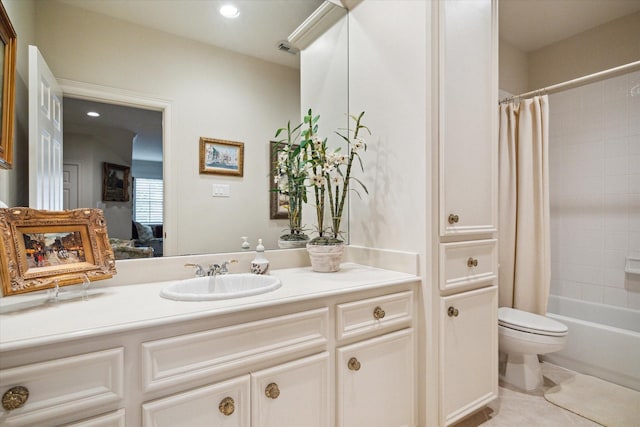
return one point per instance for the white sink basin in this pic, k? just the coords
(220, 287)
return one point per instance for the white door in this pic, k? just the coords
(70, 172)
(45, 135)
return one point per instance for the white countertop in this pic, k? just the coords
(28, 320)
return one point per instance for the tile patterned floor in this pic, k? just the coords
(515, 408)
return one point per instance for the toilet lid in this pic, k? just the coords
(530, 322)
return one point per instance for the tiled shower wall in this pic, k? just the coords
(594, 176)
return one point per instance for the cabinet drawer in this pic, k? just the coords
(62, 386)
(374, 314)
(112, 419)
(201, 355)
(223, 404)
(468, 265)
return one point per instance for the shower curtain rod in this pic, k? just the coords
(575, 82)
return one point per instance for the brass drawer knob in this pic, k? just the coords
(378, 313)
(353, 364)
(453, 219)
(452, 312)
(14, 398)
(272, 391)
(227, 406)
(472, 262)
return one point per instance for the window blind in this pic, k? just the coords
(147, 200)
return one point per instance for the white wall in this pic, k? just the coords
(595, 191)
(606, 46)
(212, 92)
(146, 169)
(390, 78)
(514, 69)
(90, 154)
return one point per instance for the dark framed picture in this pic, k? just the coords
(41, 248)
(219, 157)
(115, 183)
(278, 203)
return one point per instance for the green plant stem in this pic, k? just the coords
(345, 184)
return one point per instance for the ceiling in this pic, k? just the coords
(145, 124)
(526, 24)
(256, 32)
(532, 24)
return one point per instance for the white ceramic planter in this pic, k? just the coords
(325, 258)
(292, 244)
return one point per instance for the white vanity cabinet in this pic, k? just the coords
(465, 300)
(376, 385)
(85, 384)
(112, 419)
(376, 376)
(467, 119)
(263, 365)
(223, 404)
(468, 352)
(292, 394)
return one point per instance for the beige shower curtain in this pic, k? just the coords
(524, 256)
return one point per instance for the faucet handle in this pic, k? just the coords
(199, 270)
(224, 268)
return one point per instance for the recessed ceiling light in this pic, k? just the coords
(229, 11)
(93, 114)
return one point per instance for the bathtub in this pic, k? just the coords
(603, 340)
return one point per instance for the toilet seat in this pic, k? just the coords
(523, 321)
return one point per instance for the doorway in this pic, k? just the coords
(97, 132)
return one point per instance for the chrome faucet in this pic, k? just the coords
(199, 270)
(215, 269)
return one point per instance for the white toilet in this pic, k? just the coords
(522, 336)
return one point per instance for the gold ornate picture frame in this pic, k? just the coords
(39, 249)
(8, 38)
(220, 157)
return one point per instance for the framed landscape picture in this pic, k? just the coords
(115, 183)
(219, 157)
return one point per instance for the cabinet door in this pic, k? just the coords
(224, 404)
(293, 394)
(375, 381)
(468, 95)
(112, 419)
(468, 352)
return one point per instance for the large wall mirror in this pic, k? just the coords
(8, 69)
(199, 75)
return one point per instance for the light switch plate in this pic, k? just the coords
(221, 190)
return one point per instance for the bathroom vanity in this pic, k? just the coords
(322, 350)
